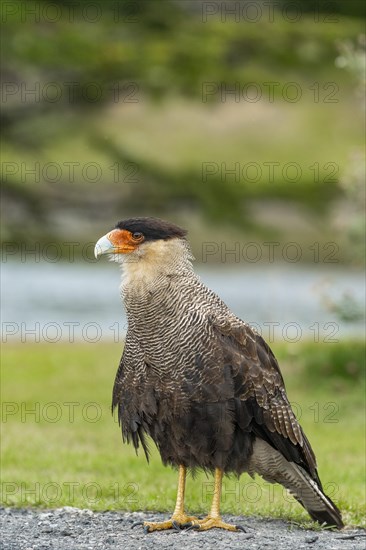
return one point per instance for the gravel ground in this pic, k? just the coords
(70, 528)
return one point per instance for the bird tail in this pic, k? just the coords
(274, 467)
(318, 505)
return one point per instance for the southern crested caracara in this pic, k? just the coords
(199, 381)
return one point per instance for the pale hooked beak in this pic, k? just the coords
(104, 246)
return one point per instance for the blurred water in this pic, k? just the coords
(71, 301)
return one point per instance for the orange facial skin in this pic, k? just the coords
(123, 241)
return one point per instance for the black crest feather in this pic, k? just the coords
(152, 228)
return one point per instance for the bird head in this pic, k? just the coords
(133, 238)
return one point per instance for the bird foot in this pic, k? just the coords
(211, 522)
(177, 522)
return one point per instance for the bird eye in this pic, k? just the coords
(137, 235)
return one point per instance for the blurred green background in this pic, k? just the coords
(233, 118)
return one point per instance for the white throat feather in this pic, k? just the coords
(153, 260)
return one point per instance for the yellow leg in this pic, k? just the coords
(214, 519)
(179, 518)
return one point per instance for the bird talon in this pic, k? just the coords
(176, 525)
(146, 529)
(240, 528)
(136, 524)
(186, 525)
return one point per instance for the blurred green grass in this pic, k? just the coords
(61, 446)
